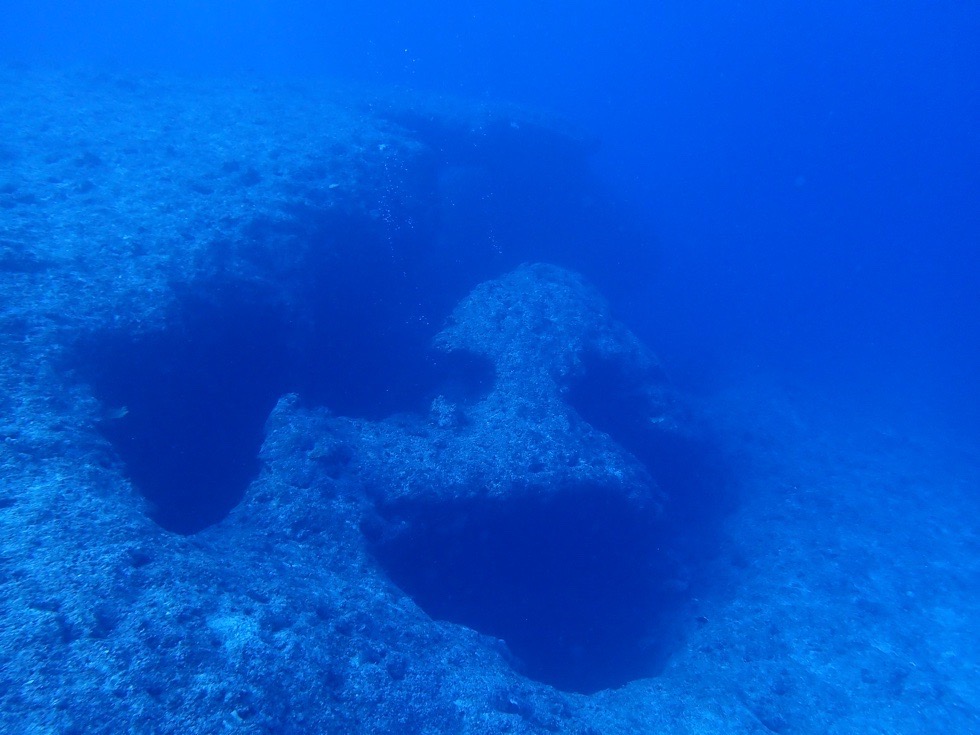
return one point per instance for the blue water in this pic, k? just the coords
(805, 176)
(810, 172)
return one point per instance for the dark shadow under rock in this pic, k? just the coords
(573, 584)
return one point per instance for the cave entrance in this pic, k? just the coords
(575, 585)
(186, 405)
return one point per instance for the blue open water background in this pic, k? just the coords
(805, 176)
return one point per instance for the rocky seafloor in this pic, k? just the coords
(314, 419)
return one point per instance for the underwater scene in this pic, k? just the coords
(476, 368)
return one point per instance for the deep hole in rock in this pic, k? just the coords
(189, 404)
(573, 584)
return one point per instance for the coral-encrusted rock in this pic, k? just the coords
(539, 327)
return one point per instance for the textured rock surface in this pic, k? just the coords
(217, 301)
(521, 438)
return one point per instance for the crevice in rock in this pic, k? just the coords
(686, 462)
(187, 404)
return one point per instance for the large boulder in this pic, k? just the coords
(516, 434)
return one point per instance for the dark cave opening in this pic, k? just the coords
(687, 462)
(576, 585)
(189, 403)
